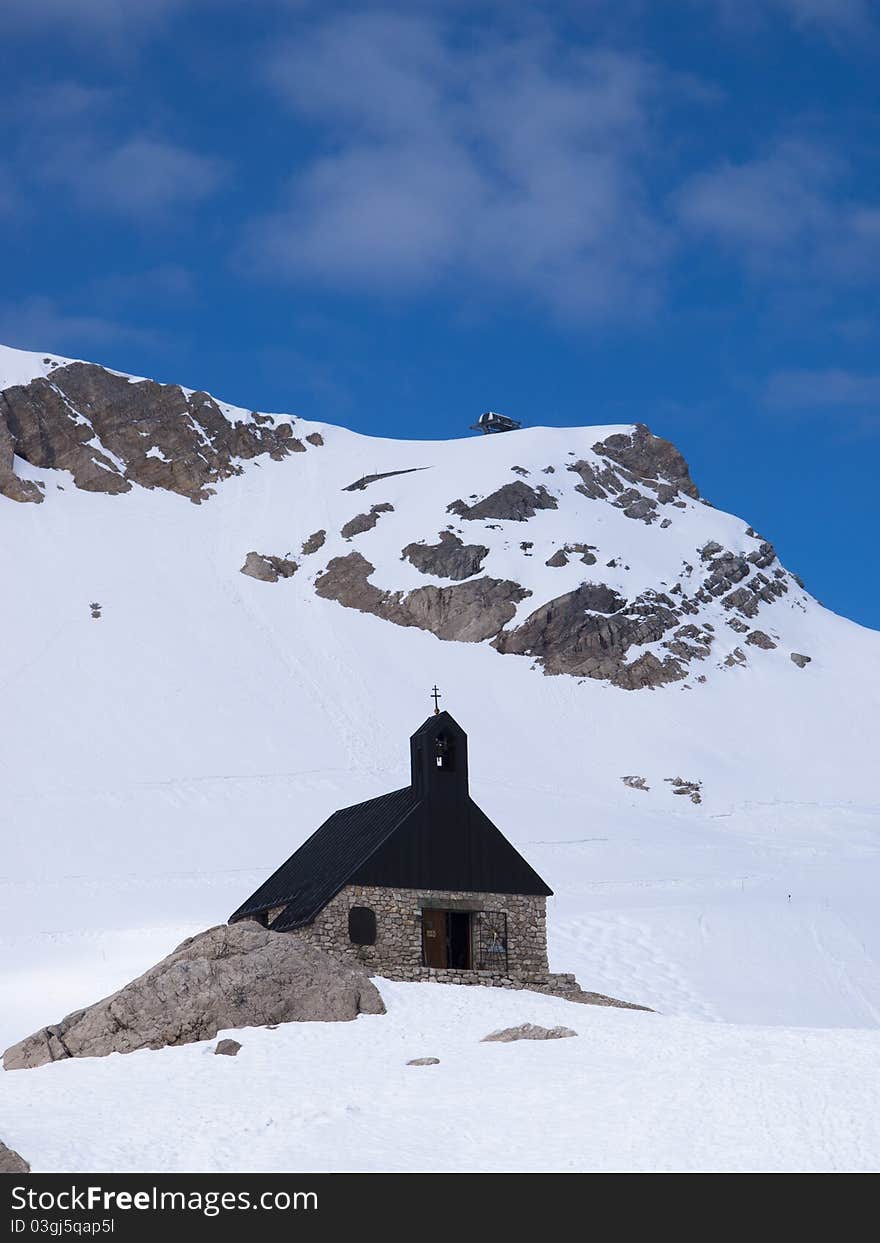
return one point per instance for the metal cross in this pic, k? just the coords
(435, 695)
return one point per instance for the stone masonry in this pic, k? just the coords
(397, 952)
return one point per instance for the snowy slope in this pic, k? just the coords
(22, 366)
(159, 761)
(632, 1092)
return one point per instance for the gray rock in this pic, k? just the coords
(692, 789)
(589, 631)
(469, 611)
(530, 1031)
(268, 569)
(313, 543)
(365, 522)
(516, 502)
(596, 481)
(648, 457)
(424, 1061)
(227, 1048)
(800, 660)
(316, 439)
(758, 638)
(710, 550)
(636, 505)
(762, 556)
(10, 484)
(635, 783)
(11, 1162)
(558, 559)
(451, 558)
(87, 420)
(238, 975)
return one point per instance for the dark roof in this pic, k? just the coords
(324, 863)
(429, 835)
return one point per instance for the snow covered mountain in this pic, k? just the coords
(642, 613)
(220, 625)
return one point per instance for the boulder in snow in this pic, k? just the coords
(530, 1031)
(227, 1047)
(239, 975)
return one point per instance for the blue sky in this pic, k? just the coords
(396, 216)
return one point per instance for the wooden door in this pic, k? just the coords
(434, 941)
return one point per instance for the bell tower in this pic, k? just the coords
(439, 759)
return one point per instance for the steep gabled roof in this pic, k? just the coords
(429, 835)
(324, 863)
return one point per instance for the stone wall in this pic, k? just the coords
(397, 952)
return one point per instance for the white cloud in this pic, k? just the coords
(138, 177)
(110, 17)
(762, 203)
(786, 213)
(514, 164)
(164, 283)
(834, 15)
(834, 18)
(40, 323)
(823, 390)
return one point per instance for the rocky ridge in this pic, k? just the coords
(655, 637)
(111, 432)
(715, 611)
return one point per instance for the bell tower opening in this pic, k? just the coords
(444, 753)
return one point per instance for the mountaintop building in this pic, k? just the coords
(418, 884)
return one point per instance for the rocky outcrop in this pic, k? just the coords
(636, 505)
(239, 975)
(529, 1031)
(11, 1162)
(688, 789)
(469, 611)
(365, 522)
(637, 473)
(451, 558)
(593, 631)
(10, 484)
(313, 543)
(111, 432)
(589, 632)
(561, 556)
(651, 460)
(758, 638)
(268, 569)
(515, 502)
(227, 1048)
(800, 660)
(633, 782)
(424, 1061)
